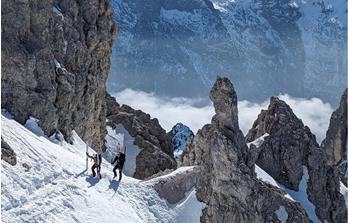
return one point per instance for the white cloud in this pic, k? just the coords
(168, 111)
(193, 113)
(248, 112)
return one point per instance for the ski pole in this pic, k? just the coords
(86, 156)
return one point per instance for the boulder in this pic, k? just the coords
(7, 153)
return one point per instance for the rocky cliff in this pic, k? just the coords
(156, 151)
(226, 182)
(289, 150)
(335, 143)
(55, 62)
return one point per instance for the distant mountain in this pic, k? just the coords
(179, 136)
(177, 48)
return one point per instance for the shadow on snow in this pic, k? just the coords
(92, 180)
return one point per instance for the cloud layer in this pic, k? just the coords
(193, 113)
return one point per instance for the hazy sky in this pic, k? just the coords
(169, 111)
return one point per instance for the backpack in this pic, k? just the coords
(122, 158)
(99, 159)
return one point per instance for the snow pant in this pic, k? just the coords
(95, 166)
(119, 167)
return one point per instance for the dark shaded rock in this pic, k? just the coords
(225, 103)
(270, 198)
(26, 167)
(335, 143)
(7, 153)
(284, 152)
(291, 147)
(156, 151)
(56, 59)
(225, 181)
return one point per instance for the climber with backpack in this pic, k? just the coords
(96, 158)
(119, 159)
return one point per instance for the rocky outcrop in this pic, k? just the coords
(226, 182)
(287, 150)
(284, 152)
(156, 151)
(55, 62)
(175, 188)
(335, 143)
(7, 153)
(179, 136)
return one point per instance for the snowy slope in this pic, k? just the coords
(57, 188)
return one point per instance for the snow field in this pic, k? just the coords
(55, 186)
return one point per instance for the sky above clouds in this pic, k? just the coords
(193, 113)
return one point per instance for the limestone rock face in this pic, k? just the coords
(225, 182)
(175, 188)
(55, 62)
(335, 143)
(7, 153)
(225, 104)
(283, 153)
(156, 151)
(289, 148)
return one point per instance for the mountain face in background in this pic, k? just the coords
(177, 48)
(179, 136)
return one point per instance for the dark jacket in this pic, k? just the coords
(120, 159)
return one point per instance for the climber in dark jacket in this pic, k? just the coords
(96, 164)
(119, 159)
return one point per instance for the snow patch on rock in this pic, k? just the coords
(32, 125)
(344, 192)
(120, 135)
(301, 196)
(181, 170)
(112, 140)
(258, 142)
